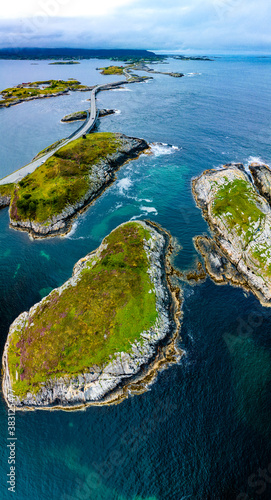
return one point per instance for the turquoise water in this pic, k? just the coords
(203, 429)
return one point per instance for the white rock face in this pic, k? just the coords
(98, 382)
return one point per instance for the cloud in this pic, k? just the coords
(155, 24)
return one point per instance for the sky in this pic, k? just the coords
(168, 26)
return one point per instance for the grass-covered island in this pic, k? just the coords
(239, 216)
(39, 90)
(82, 115)
(45, 201)
(99, 331)
(112, 70)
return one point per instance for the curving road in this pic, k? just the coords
(88, 125)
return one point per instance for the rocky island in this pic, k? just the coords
(138, 66)
(111, 324)
(39, 90)
(45, 202)
(82, 115)
(239, 216)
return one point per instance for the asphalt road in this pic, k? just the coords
(83, 129)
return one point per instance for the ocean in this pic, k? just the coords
(202, 431)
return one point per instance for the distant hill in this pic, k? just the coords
(70, 53)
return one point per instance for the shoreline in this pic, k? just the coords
(85, 128)
(62, 223)
(225, 259)
(165, 353)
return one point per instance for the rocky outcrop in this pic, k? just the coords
(101, 175)
(262, 178)
(99, 383)
(82, 115)
(240, 222)
(7, 104)
(5, 200)
(78, 115)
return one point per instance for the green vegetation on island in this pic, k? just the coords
(62, 180)
(99, 314)
(48, 149)
(112, 70)
(240, 219)
(40, 89)
(6, 189)
(237, 203)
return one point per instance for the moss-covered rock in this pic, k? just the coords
(6, 192)
(240, 219)
(97, 330)
(38, 90)
(112, 70)
(44, 202)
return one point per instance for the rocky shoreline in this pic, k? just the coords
(102, 175)
(45, 96)
(111, 382)
(82, 115)
(238, 252)
(5, 200)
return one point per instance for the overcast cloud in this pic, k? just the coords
(168, 25)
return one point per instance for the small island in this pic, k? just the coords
(64, 62)
(82, 115)
(112, 70)
(39, 90)
(237, 209)
(45, 202)
(109, 326)
(192, 58)
(135, 66)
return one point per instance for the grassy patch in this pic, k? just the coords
(39, 88)
(48, 149)
(112, 70)
(236, 202)
(6, 189)
(102, 315)
(62, 180)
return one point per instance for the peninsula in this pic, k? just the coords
(239, 216)
(113, 323)
(45, 202)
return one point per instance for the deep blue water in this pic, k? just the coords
(203, 429)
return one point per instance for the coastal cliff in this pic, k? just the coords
(102, 330)
(45, 202)
(240, 222)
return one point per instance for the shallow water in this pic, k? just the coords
(203, 429)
